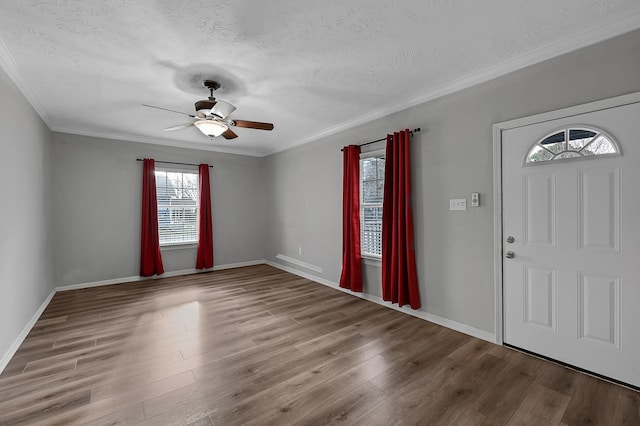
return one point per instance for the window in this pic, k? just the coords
(371, 195)
(177, 193)
(572, 143)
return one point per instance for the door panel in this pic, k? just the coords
(540, 297)
(539, 209)
(599, 309)
(572, 289)
(599, 209)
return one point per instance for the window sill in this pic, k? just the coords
(372, 261)
(178, 246)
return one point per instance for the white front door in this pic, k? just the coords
(571, 291)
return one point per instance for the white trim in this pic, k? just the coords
(299, 263)
(238, 265)
(99, 283)
(497, 232)
(155, 277)
(204, 146)
(9, 353)
(13, 71)
(453, 325)
(628, 99)
(498, 128)
(303, 274)
(215, 268)
(178, 246)
(372, 261)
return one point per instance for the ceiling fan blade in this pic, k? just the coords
(253, 124)
(170, 110)
(178, 127)
(222, 109)
(229, 134)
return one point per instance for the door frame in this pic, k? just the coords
(498, 129)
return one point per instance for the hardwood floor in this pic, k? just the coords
(260, 346)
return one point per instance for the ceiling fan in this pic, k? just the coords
(211, 116)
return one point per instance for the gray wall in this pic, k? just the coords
(25, 213)
(452, 158)
(96, 208)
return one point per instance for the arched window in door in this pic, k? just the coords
(572, 143)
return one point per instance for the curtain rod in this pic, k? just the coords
(411, 132)
(173, 162)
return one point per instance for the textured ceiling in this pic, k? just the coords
(312, 68)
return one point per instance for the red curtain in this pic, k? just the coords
(150, 256)
(205, 227)
(351, 276)
(399, 276)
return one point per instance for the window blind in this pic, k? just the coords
(177, 193)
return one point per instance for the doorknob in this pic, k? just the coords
(509, 255)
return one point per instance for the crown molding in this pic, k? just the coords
(549, 51)
(9, 65)
(156, 141)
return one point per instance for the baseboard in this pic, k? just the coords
(299, 263)
(155, 277)
(23, 334)
(239, 265)
(99, 283)
(453, 325)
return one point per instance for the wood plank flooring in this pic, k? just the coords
(260, 346)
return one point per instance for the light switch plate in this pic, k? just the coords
(457, 204)
(475, 199)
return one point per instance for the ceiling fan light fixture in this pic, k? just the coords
(203, 113)
(211, 128)
(205, 105)
(222, 109)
